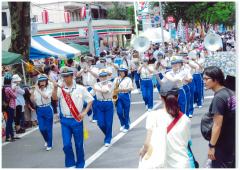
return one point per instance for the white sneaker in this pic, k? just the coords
(45, 144)
(190, 116)
(146, 107)
(48, 148)
(94, 121)
(149, 110)
(107, 144)
(199, 107)
(125, 130)
(72, 167)
(194, 105)
(121, 128)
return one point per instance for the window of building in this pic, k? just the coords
(4, 19)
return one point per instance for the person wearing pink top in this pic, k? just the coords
(10, 99)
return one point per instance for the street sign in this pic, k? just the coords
(157, 18)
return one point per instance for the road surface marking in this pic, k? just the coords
(103, 149)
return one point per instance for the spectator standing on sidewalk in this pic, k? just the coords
(222, 143)
(20, 104)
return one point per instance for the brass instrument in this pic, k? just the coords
(213, 42)
(115, 93)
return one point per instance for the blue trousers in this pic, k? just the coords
(94, 109)
(198, 93)
(105, 119)
(182, 100)
(123, 109)
(9, 123)
(45, 122)
(147, 92)
(158, 85)
(188, 97)
(192, 89)
(137, 79)
(70, 127)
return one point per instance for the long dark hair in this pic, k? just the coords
(171, 104)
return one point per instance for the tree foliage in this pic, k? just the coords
(121, 12)
(207, 12)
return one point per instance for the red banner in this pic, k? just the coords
(75, 113)
(186, 31)
(45, 16)
(170, 19)
(67, 17)
(83, 13)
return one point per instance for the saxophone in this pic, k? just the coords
(115, 93)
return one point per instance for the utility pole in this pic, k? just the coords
(90, 31)
(161, 16)
(135, 17)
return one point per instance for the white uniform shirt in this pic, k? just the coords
(185, 72)
(20, 99)
(39, 100)
(107, 86)
(126, 83)
(173, 82)
(145, 73)
(88, 78)
(78, 93)
(169, 149)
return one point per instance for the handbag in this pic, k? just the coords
(206, 125)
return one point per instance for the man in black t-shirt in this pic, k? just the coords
(222, 143)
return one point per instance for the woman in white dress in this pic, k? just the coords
(163, 148)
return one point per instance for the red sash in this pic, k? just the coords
(74, 111)
(173, 123)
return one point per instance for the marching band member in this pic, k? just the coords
(105, 105)
(173, 79)
(197, 78)
(146, 83)
(89, 75)
(42, 97)
(185, 72)
(134, 67)
(70, 127)
(160, 66)
(125, 86)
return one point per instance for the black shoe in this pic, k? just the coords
(21, 130)
(10, 140)
(16, 138)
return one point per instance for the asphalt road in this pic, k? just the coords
(29, 152)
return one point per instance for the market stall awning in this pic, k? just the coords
(47, 46)
(9, 58)
(83, 48)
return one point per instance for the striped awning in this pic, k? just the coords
(47, 46)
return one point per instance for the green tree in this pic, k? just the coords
(20, 28)
(118, 11)
(203, 12)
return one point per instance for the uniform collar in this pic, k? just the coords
(72, 88)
